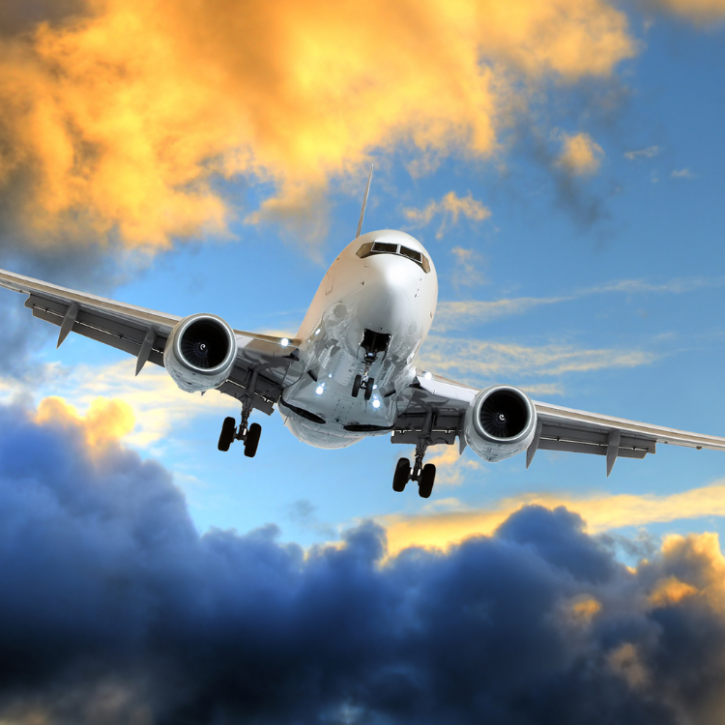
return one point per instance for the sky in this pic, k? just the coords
(562, 162)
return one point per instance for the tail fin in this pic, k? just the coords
(365, 202)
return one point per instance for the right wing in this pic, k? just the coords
(435, 407)
(263, 361)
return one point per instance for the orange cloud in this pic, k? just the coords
(450, 208)
(600, 512)
(580, 155)
(119, 122)
(105, 422)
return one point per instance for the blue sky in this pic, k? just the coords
(610, 281)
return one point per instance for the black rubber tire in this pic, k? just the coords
(369, 388)
(402, 475)
(252, 440)
(356, 385)
(427, 479)
(226, 437)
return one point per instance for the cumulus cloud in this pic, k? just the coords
(115, 609)
(580, 154)
(120, 121)
(450, 208)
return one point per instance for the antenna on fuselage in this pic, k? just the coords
(365, 203)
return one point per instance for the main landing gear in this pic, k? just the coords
(424, 475)
(250, 434)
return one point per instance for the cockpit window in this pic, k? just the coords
(370, 248)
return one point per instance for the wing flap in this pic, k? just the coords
(580, 426)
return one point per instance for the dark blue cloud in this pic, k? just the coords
(114, 610)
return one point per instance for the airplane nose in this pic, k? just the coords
(391, 284)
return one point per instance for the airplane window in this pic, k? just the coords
(365, 250)
(386, 248)
(412, 254)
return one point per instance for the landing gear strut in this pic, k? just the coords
(373, 343)
(425, 475)
(250, 434)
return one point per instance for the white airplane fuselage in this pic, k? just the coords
(384, 302)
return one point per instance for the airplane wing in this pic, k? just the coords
(436, 407)
(143, 333)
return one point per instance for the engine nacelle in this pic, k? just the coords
(500, 422)
(200, 352)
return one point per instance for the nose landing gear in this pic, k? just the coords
(365, 383)
(425, 475)
(250, 434)
(373, 343)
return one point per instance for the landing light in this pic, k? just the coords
(320, 389)
(317, 331)
(284, 342)
(376, 403)
(428, 376)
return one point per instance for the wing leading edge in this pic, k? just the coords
(434, 406)
(259, 371)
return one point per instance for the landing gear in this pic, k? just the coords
(402, 475)
(373, 343)
(250, 434)
(424, 475)
(364, 383)
(229, 431)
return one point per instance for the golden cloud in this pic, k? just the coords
(601, 513)
(105, 422)
(450, 208)
(122, 119)
(580, 155)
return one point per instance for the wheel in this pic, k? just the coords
(369, 388)
(356, 385)
(402, 475)
(252, 440)
(427, 479)
(226, 437)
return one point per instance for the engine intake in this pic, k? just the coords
(500, 422)
(200, 352)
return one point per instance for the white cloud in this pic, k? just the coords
(648, 153)
(683, 174)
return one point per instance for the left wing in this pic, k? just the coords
(434, 406)
(262, 363)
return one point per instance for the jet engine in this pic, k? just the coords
(200, 352)
(500, 422)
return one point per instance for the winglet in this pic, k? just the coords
(365, 202)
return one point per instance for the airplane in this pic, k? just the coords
(350, 371)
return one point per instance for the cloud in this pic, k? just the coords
(116, 610)
(700, 12)
(683, 174)
(449, 208)
(467, 272)
(121, 123)
(460, 314)
(602, 512)
(480, 360)
(649, 153)
(580, 155)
